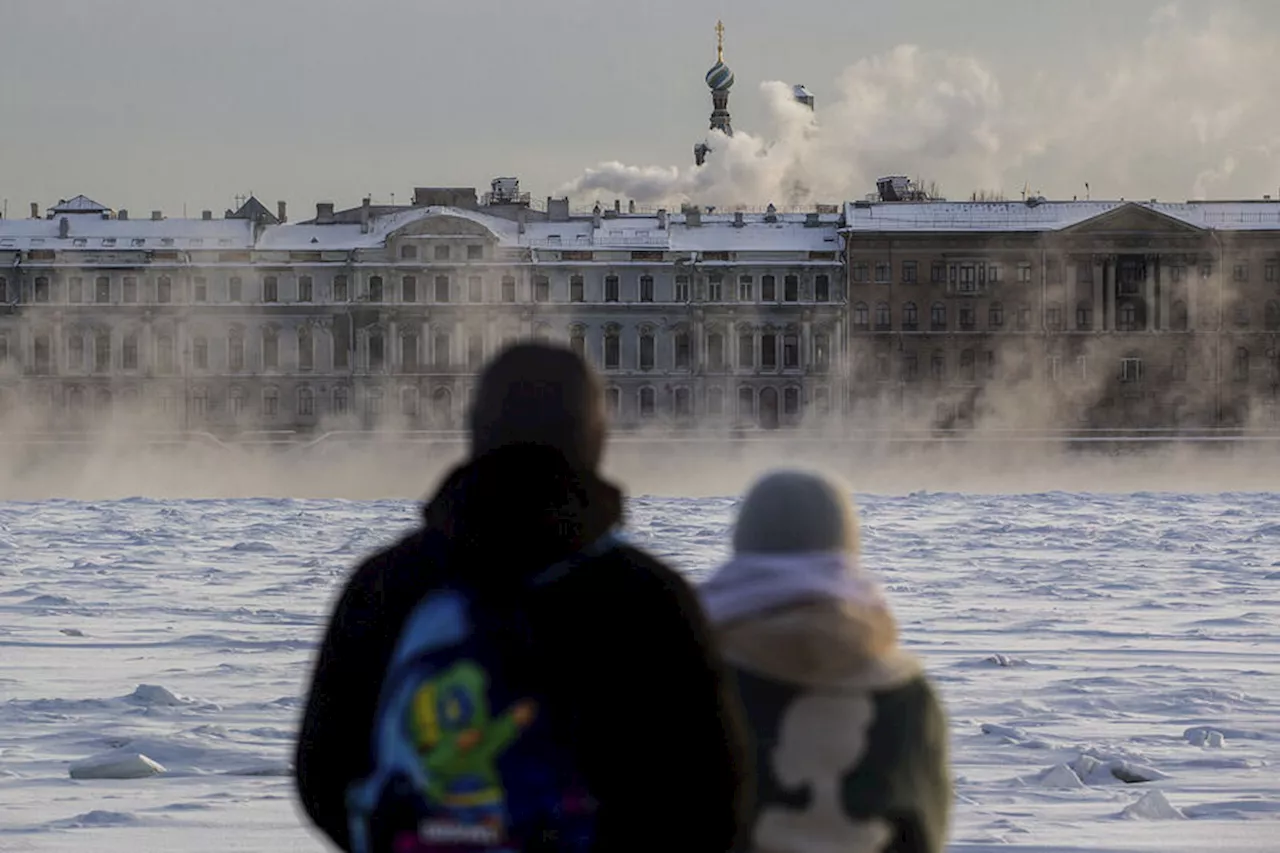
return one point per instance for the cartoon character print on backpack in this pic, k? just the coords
(459, 741)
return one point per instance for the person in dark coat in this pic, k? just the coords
(657, 728)
(850, 737)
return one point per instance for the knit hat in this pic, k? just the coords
(795, 511)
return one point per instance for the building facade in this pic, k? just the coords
(1069, 315)
(383, 315)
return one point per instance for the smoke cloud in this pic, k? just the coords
(1189, 98)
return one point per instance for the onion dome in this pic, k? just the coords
(720, 77)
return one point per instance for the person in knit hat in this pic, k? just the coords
(850, 739)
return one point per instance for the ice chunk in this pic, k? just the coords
(1152, 806)
(116, 765)
(1058, 776)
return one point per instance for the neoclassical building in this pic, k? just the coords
(382, 315)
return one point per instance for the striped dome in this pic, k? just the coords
(720, 77)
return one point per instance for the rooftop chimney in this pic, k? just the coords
(35, 210)
(206, 215)
(739, 220)
(64, 227)
(662, 219)
(122, 215)
(324, 212)
(156, 215)
(692, 215)
(617, 205)
(364, 214)
(596, 216)
(280, 212)
(631, 206)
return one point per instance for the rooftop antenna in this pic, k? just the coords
(1086, 190)
(719, 41)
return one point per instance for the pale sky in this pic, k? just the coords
(157, 104)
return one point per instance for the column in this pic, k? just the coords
(1069, 278)
(1099, 291)
(391, 349)
(426, 349)
(1109, 286)
(1164, 298)
(1150, 281)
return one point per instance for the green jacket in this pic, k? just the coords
(850, 738)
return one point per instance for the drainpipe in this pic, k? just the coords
(1217, 337)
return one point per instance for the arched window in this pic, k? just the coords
(861, 318)
(164, 290)
(166, 361)
(791, 402)
(578, 340)
(43, 351)
(648, 402)
(377, 350)
(270, 402)
(645, 352)
(746, 348)
(440, 344)
(769, 414)
(306, 402)
(995, 315)
(129, 352)
(271, 348)
(102, 352)
(235, 402)
(306, 349)
(681, 355)
(612, 349)
(938, 317)
(883, 316)
(910, 317)
(375, 288)
(938, 366)
(968, 366)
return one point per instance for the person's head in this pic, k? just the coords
(794, 511)
(542, 394)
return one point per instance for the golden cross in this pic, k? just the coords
(719, 41)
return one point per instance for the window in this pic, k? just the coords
(682, 351)
(884, 272)
(769, 351)
(101, 290)
(612, 350)
(790, 352)
(1177, 273)
(440, 345)
(442, 253)
(648, 403)
(1241, 271)
(1128, 319)
(129, 290)
(1131, 369)
(910, 367)
(129, 352)
(645, 354)
(375, 288)
(822, 401)
(4, 289)
(861, 317)
(578, 341)
(791, 401)
(1178, 316)
(270, 349)
(341, 401)
(1024, 273)
(910, 317)
(408, 252)
(409, 289)
(542, 289)
(340, 288)
(475, 289)
(1053, 316)
(1023, 318)
(200, 353)
(41, 289)
(306, 351)
(821, 353)
(746, 349)
(377, 351)
(968, 366)
(200, 288)
(307, 399)
(989, 364)
(715, 288)
(199, 403)
(442, 288)
(791, 288)
(1178, 371)
(43, 354)
(682, 288)
(1242, 315)
(968, 318)
(235, 352)
(995, 315)
(613, 402)
(1271, 316)
(745, 288)
(576, 289)
(746, 403)
(993, 274)
(1241, 370)
(938, 317)
(75, 352)
(884, 319)
(910, 272)
(475, 352)
(715, 351)
(409, 402)
(938, 366)
(508, 289)
(683, 403)
(271, 289)
(1084, 316)
(646, 288)
(270, 402)
(75, 289)
(611, 288)
(938, 273)
(822, 288)
(882, 366)
(768, 289)
(166, 360)
(475, 253)
(715, 402)
(1271, 271)
(409, 353)
(164, 290)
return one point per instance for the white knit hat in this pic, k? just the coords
(795, 511)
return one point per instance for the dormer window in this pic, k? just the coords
(197, 241)
(166, 241)
(109, 241)
(138, 241)
(80, 241)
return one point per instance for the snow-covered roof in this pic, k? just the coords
(96, 233)
(1052, 215)
(79, 204)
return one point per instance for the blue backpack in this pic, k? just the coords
(463, 759)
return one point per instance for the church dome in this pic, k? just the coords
(720, 77)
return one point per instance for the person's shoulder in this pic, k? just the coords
(637, 566)
(389, 568)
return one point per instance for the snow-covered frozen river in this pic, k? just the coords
(1075, 638)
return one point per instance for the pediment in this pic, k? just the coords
(445, 225)
(1133, 219)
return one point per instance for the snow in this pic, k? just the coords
(1109, 662)
(1052, 215)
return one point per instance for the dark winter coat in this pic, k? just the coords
(659, 738)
